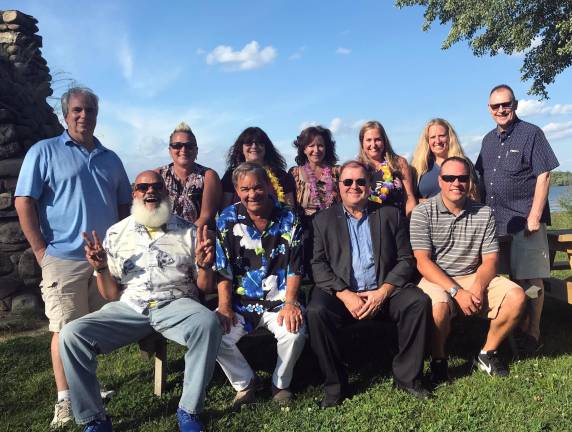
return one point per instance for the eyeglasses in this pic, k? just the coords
(503, 105)
(179, 145)
(144, 187)
(451, 178)
(361, 182)
(253, 143)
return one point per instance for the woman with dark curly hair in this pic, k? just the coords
(316, 175)
(253, 145)
(316, 178)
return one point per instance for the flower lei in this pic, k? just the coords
(384, 186)
(327, 178)
(276, 185)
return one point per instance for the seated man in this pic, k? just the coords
(149, 263)
(453, 240)
(362, 266)
(259, 265)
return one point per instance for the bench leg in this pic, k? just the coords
(160, 367)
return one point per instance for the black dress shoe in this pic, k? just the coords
(331, 401)
(416, 389)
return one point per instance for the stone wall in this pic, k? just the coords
(25, 118)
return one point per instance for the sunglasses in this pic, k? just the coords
(144, 187)
(502, 105)
(179, 145)
(361, 182)
(451, 178)
(253, 143)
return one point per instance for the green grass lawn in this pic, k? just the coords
(536, 397)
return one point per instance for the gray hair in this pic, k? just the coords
(249, 168)
(75, 91)
(184, 128)
(358, 164)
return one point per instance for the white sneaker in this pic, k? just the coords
(106, 395)
(62, 414)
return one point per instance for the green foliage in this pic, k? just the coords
(540, 29)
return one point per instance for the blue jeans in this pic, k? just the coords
(184, 321)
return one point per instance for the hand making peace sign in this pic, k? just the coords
(94, 252)
(204, 248)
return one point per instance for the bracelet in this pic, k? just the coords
(293, 303)
(205, 267)
(100, 269)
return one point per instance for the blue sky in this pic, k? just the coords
(279, 65)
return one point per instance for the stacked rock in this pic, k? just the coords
(25, 118)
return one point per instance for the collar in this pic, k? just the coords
(443, 209)
(503, 134)
(68, 140)
(349, 215)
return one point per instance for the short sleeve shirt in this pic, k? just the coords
(258, 263)
(152, 270)
(456, 242)
(76, 191)
(509, 164)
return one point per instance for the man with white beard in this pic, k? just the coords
(153, 263)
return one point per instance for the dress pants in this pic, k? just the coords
(289, 347)
(184, 321)
(408, 307)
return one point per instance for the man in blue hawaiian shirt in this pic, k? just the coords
(259, 267)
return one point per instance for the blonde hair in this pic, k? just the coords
(423, 156)
(184, 128)
(391, 157)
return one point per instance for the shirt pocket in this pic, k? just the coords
(513, 161)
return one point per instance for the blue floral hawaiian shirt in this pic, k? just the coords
(258, 263)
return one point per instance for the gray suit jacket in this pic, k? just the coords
(331, 260)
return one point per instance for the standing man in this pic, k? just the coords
(453, 239)
(515, 164)
(362, 266)
(259, 265)
(67, 185)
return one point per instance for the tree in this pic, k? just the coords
(540, 29)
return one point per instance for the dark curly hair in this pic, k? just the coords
(307, 136)
(272, 157)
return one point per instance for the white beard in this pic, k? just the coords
(152, 218)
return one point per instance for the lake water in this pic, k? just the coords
(556, 192)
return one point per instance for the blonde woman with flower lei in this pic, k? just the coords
(253, 145)
(393, 184)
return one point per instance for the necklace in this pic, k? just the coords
(383, 187)
(313, 182)
(275, 185)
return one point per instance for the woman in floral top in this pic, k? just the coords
(194, 189)
(316, 178)
(393, 184)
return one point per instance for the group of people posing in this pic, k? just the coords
(377, 238)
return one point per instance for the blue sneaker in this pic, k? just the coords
(189, 422)
(99, 426)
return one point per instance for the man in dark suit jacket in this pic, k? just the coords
(362, 266)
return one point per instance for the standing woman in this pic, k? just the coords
(437, 142)
(194, 189)
(253, 145)
(391, 174)
(316, 176)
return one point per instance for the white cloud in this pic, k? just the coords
(249, 57)
(336, 124)
(557, 131)
(307, 124)
(125, 58)
(530, 107)
(343, 51)
(200, 51)
(535, 42)
(471, 143)
(297, 55)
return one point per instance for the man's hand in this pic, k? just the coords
(40, 253)
(94, 252)
(227, 318)
(478, 292)
(467, 301)
(373, 301)
(204, 248)
(351, 301)
(532, 225)
(291, 315)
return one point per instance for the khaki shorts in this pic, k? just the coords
(495, 293)
(69, 290)
(529, 255)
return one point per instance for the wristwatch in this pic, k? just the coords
(453, 290)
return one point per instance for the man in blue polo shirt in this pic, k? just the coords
(68, 185)
(515, 164)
